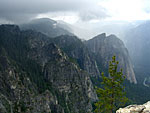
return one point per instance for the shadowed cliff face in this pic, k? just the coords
(105, 47)
(36, 76)
(77, 51)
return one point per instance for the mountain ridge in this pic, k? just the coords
(59, 85)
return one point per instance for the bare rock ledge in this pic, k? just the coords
(145, 108)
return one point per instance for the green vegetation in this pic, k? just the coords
(112, 94)
(20, 107)
(137, 93)
(16, 48)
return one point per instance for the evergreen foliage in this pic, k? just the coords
(112, 94)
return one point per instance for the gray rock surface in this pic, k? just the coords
(145, 108)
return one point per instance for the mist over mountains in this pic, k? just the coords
(47, 26)
(138, 43)
(53, 54)
(46, 67)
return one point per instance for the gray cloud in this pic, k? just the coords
(94, 13)
(24, 10)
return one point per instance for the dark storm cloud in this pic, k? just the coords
(23, 10)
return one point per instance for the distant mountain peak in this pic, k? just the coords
(47, 26)
(42, 20)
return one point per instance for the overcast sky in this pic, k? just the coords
(73, 11)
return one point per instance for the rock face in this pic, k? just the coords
(36, 76)
(105, 47)
(145, 108)
(46, 26)
(78, 52)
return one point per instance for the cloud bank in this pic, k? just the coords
(19, 11)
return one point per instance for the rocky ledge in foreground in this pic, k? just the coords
(145, 108)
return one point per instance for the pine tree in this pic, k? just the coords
(112, 95)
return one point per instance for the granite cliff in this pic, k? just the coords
(78, 52)
(104, 47)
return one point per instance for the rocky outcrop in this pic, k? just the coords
(105, 47)
(145, 108)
